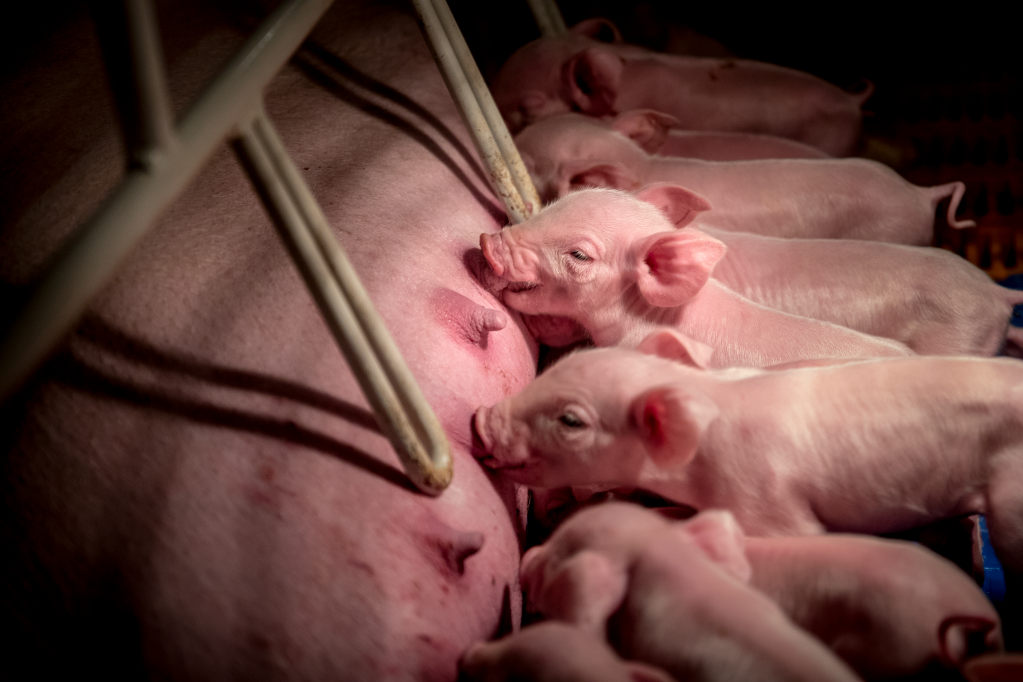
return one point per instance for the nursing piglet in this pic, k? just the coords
(927, 298)
(552, 652)
(710, 146)
(657, 133)
(808, 198)
(577, 72)
(615, 266)
(678, 595)
(890, 609)
(873, 446)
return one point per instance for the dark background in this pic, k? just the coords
(890, 43)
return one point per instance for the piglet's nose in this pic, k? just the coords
(481, 439)
(964, 636)
(495, 251)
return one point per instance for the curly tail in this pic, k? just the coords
(955, 190)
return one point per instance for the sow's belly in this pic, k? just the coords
(196, 486)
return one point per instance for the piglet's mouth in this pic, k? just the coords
(486, 458)
(493, 463)
(516, 287)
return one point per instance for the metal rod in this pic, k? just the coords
(156, 122)
(495, 122)
(87, 262)
(401, 410)
(548, 17)
(131, 51)
(461, 92)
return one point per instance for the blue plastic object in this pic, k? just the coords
(994, 577)
(1015, 282)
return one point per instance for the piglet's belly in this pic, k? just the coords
(197, 486)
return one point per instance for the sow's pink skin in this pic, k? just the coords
(929, 299)
(198, 487)
(789, 197)
(888, 608)
(872, 446)
(617, 267)
(576, 72)
(552, 652)
(679, 595)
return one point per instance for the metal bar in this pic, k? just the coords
(495, 122)
(131, 50)
(401, 410)
(548, 17)
(458, 85)
(87, 262)
(156, 123)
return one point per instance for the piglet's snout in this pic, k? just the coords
(965, 636)
(495, 251)
(509, 257)
(483, 446)
(500, 444)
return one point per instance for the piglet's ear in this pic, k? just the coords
(669, 344)
(592, 78)
(672, 267)
(599, 29)
(646, 127)
(672, 420)
(719, 535)
(578, 174)
(681, 205)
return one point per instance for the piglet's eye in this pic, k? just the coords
(570, 420)
(579, 255)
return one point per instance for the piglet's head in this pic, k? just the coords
(576, 71)
(580, 257)
(601, 417)
(571, 151)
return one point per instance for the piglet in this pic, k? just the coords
(657, 133)
(927, 298)
(674, 595)
(994, 668)
(552, 652)
(615, 266)
(872, 446)
(890, 609)
(795, 197)
(577, 72)
(709, 146)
